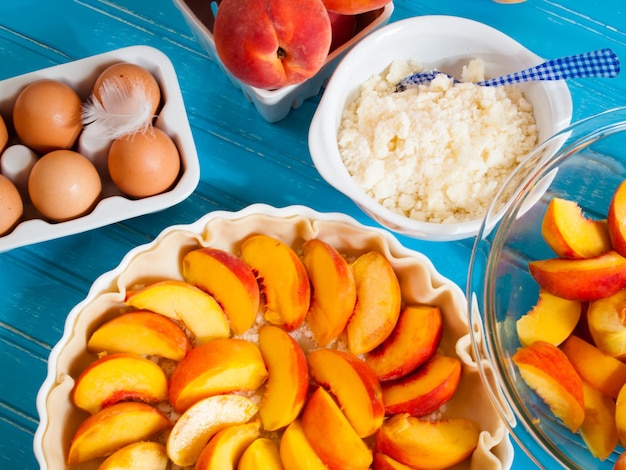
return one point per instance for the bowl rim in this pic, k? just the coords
(325, 122)
(488, 243)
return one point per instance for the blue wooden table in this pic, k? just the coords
(243, 158)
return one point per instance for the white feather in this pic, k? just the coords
(123, 108)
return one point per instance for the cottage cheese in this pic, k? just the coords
(437, 152)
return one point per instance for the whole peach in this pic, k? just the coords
(354, 7)
(342, 27)
(272, 43)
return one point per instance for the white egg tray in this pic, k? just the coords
(113, 206)
(274, 105)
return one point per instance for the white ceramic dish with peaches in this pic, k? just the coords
(111, 204)
(249, 373)
(549, 281)
(275, 104)
(446, 43)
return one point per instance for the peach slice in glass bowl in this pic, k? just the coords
(419, 282)
(587, 167)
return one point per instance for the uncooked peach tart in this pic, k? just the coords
(269, 338)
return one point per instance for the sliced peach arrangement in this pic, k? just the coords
(276, 357)
(573, 341)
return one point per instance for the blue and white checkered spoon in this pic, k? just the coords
(600, 63)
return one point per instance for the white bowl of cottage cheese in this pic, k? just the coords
(427, 162)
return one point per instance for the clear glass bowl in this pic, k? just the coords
(587, 167)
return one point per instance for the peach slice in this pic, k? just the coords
(378, 303)
(198, 310)
(225, 449)
(295, 450)
(261, 454)
(620, 415)
(227, 278)
(353, 384)
(616, 219)
(604, 373)
(384, 462)
(219, 366)
(146, 454)
(201, 421)
(143, 333)
(114, 427)
(427, 444)
(581, 279)
(284, 280)
(599, 430)
(288, 380)
(552, 319)
(547, 370)
(119, 377)
(606, 319)
(331, 435)
(413, 341)
(572, 235)
(333, 294)
(426, 389)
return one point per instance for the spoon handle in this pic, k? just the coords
(600, 63)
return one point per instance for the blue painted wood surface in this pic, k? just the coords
(243, 158)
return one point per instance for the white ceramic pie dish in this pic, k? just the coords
(160, 259)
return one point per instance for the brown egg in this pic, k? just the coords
(4, 134)
(11, 206)
(145, 163)
(46, 116)
(128, 74)
(63, 184)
